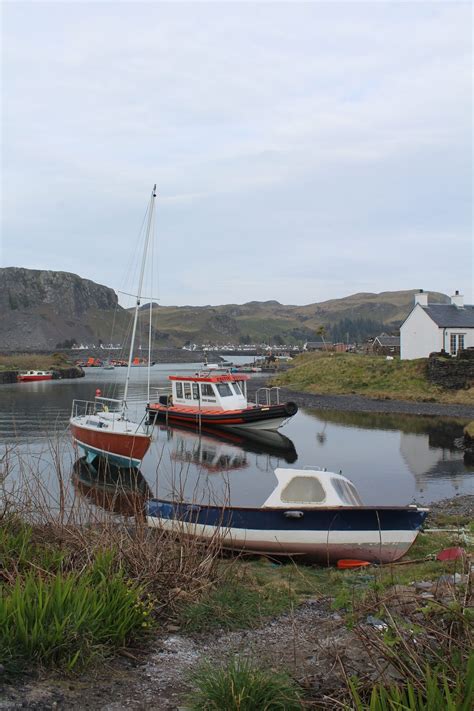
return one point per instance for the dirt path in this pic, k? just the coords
(307, 643)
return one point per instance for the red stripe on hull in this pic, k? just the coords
(31, 378)
(126, 445)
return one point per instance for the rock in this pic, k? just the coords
(423, 585)
(375, 622)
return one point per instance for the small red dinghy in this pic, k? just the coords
(350, 563)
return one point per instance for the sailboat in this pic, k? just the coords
(101, 427)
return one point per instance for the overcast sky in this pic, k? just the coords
(302, 151)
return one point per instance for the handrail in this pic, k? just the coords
(268, 395)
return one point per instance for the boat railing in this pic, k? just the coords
(163, 389)
(267, 396)
(83, 408)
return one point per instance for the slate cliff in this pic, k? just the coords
(40, 309)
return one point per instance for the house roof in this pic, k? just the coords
(316, 344)
(450, 316)
(390, 341)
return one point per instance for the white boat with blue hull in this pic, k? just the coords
(313, 514)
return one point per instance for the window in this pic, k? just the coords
(224, 389)
(179, 390)
(187, 391)
(346, 492)
(195, 391)
(237, 389)
(303, 489)
(206, 390)
(456, 343)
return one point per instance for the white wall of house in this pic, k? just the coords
(419, 335)
(468, 334)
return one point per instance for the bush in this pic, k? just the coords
(240, 686)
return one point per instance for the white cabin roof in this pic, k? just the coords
(307, 488)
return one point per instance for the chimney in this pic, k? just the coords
(457, 300)
(421, 298)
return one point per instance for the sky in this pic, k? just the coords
(302, 151)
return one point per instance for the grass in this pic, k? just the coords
(239, 685)
(371, 376)
(65, 620)
(437, 693)
(240, 600)
(34, 361)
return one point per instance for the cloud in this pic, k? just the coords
(279, 134)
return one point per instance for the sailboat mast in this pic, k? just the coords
(139, 292)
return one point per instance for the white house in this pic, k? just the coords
(436, 327)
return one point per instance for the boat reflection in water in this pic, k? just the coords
(119, 490)
(227, 450)
(124, 490)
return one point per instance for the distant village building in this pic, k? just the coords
(316, 346)
(386, 345)
(432, 328)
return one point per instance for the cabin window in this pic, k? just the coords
(179, 390)
(346, 492)
(206, 390)
(303, 489)
(224, 389)
(237, 388)
(187, 391)
(195, 391)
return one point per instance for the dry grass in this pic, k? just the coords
(35, 489)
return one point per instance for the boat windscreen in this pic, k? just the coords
(224, 390)
(303, 489)
(346, 492)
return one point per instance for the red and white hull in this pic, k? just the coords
(118, 445)
(269, 417)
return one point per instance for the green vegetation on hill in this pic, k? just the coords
(372, 376)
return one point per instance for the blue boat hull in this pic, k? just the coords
(378, 534)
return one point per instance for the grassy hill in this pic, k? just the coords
(358, 316)
(371, 376)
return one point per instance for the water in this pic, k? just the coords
(392, 459)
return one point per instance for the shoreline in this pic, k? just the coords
(359, 403)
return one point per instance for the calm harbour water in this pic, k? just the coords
(392, 459)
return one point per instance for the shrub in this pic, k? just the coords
(240, 686)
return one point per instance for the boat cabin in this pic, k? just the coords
(308, 488)
(206, 391)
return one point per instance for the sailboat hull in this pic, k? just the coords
(121, 447)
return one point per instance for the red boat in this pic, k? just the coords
(33, 375)
(220, 401)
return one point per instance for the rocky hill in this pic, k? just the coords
(43, 308)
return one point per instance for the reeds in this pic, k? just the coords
(77, 580)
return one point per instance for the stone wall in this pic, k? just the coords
(8, 376)
(452, 373)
